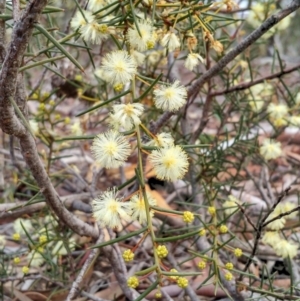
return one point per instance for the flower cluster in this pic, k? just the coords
(170, 98)
(133, 282)
(162, 251)
(188, 217)
(258, 95)
(202, 265)
(89, 27)
(230, 205)
(280, 222)
(170, 163)
(128, 255)
(182, 282)
(117, 68)
(270, 149)
(126, 116)
(111, 149)
(109, 210)
(138, 208)
(281, 246)
(142, 38)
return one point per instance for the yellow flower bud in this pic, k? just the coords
(133, 282)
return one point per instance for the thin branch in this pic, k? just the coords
(92, 297)
(79, 279)
(13, 211)
(246, 85)
(2, 32)
(259, 186)
(16, 9)
(207, 104)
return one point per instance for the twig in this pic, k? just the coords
(2, 32)
(244, 86)
(267, 180)
(92, 297)
(207, 104)
(259, 187)
(15, 210)
(77, 283)
(16, 10)
(294, 270)
(246, 216)
(34, 277)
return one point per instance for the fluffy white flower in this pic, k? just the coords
(271, 238)
(285, 248)
(193, 60)
(79, 20)
(297, 98)
(162, 140)
(76, 128)
(109, 210)
(261, 91)
(20, 224)
(169, 163)
(170, 41)
(59, 247)
(138, 57)
(277, 111)
(138, 208)
(170, 98)
(286, 207)
(95, 5)
(128, 115)
(276, 224)
(147, 38)
(294, 120)
(35, 258)
(118, 67)
(230, 205)
(94, 32)
(270, 149)
(256, 105)
(2, 241)
(34, 126)
(259, 12)
(258, 94)
(111, 149)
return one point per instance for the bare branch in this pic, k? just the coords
(246, 85)
(2, 32)
(77, 283)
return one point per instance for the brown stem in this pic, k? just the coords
(244, 86)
